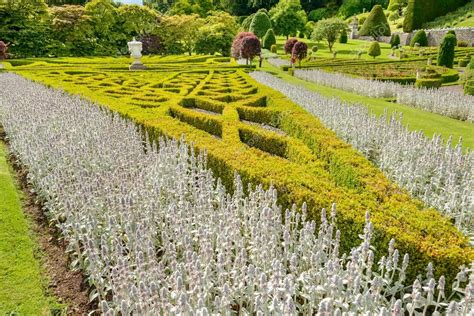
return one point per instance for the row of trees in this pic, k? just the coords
(286, 18)
(315, 9)
(101, 27)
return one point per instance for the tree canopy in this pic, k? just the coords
(288, 17)
(329, 30)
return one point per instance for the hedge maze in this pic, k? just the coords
(248, 128)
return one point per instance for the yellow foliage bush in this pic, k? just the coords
(248, 128)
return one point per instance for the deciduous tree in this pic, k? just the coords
(250, 48)
(329, 30)
(289, 44)
(288, 17)
(183, 29)
(300, 51)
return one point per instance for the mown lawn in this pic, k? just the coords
(415, 119)
(347, 51)
(21, 291)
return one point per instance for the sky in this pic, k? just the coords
(131, 1)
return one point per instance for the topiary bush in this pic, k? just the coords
(395, 40)
(428, 83)
(269, 39)
(343, 37)
(273, 49)
(446, 51)
(462, 44)
(260, 24)
(299, 52)
(376, 24)
(289, 45)
(374, 49)
(314, 49)
(420, 38)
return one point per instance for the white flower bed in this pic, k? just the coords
(370, 88)
(443, 102)
(435, 172)
(158, 235)
(278, 62)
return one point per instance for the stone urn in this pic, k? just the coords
(354, 27)
(135, 48)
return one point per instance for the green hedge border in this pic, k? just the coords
(315, 167)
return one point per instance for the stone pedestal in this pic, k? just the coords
(354, 27)
(135, 49)
(137, 65)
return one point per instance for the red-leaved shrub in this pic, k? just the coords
(250, 47)
(300, 51)
(237, 44)
(3, 50)
(289, 45)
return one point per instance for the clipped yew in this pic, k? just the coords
(446, 51)
(260, 24)
(395, 40)
(269, 39)
(343, 37)
(420, 38)
(376, 24)
(374, 49)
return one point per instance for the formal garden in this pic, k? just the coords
(197, 157)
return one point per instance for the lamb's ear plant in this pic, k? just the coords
(438, 173)
(156, 234)
(447, 103)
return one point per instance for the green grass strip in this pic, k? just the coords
(21, 290)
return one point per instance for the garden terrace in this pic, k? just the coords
(163, 236)
(309, 163)
(401, 71)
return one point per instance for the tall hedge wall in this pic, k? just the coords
(421, 11)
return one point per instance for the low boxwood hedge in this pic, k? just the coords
(428, 83)
(305, 163)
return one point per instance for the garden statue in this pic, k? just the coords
(135, 48)
(354, 25)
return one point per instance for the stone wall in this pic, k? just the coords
(435, 37)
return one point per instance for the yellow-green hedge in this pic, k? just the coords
(305, 161)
